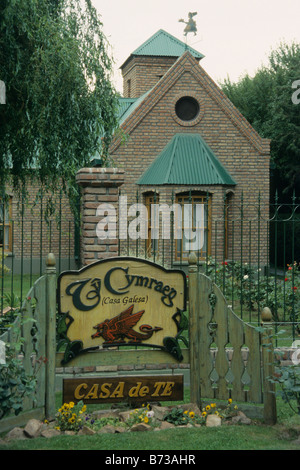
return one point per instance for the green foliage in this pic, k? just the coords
(287, 379)
(61, 108)
(15, 383)
(266, 102)
(99, 423)
(140, 415)
(179, 417)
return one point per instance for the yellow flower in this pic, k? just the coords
(186, 412)
(146, 419)
(207, 408)
(192, 414)
(204, 413)
(71, 404)
(236, 407)
(230, 401)
(72, 420)
(213, 405)
(83, 409)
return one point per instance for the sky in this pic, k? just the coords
(235, 36)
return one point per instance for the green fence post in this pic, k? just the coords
(270, 413)
(50, 335)
(195, 391)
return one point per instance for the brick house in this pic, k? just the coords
(182, 142)
(186, 143)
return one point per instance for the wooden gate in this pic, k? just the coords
(228, 357)
(36, 325)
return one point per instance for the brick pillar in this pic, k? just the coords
(98, 186)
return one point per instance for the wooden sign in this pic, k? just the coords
(121, 301)
(123, 389)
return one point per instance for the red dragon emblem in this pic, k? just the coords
(121, 326)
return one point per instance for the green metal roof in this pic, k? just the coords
(124, 105)
(187, 160)
(165, 45)
(128, 105)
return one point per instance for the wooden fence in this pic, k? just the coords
(36, 324)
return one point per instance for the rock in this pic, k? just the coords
(140, 427)
(191, 407)
(166, 425)
(15, 433)
(50, 432)
(120, 429)
(125, 415)
(33, 428)
(213, 420)
(108, 428)
(240, 418)
(160, 411)
(86, 431)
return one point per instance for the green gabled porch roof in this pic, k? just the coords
(186, 160)
(163, 44)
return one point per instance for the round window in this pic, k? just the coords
(187, 108)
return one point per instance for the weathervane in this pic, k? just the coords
(191, 26)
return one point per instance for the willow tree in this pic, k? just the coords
(61, 107)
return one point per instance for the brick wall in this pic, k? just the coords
(142, 73)
(32, 234)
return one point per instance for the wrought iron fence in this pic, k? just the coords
(29, 230)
